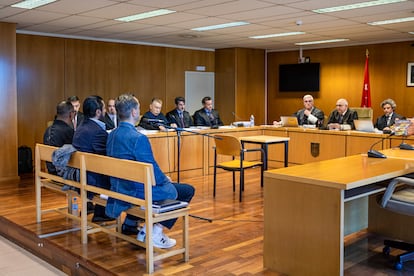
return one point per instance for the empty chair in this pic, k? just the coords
(231, 146)
(400, 201)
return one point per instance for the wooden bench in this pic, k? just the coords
(124, 169)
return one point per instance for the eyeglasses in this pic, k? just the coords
(339, 105)
(307, 101)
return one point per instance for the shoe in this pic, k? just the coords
(141, 236)
(101, 219)
(129, 230)
(163, 241)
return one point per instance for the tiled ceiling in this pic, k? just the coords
(94, 19)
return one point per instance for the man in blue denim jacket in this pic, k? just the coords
(126, 142)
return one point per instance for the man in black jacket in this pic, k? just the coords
(179, 116)
(61, 131)
(207, 116)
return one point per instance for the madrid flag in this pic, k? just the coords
(366, 90)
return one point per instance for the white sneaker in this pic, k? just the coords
(141, 236)
(163, 241)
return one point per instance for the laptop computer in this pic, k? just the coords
(364, 125)
(289, 121)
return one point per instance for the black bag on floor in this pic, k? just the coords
(25, 159)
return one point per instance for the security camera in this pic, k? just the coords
(299, 22)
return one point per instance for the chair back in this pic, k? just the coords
(227, 145)
(363, 112)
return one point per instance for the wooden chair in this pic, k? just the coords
(231, 146)
(400, 201)
(363, 112)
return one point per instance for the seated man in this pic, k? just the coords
(310, 115)
(61, 131)
(179, 117)
(154, 119)
(207, 116)
(111, 119)
(77, 119)
(342, 118)
(388, 119)
(126, 142)
(91, 137)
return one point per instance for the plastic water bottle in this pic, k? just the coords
(252, 120)
(75, 206)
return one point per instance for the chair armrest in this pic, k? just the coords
(391, 187)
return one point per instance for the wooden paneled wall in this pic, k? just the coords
(51, 69)
(240, 84)
(8, 96)
(342, 74)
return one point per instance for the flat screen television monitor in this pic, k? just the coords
(300, 77)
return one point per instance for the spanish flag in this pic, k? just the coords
(366, 89)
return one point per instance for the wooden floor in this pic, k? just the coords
(232, 244)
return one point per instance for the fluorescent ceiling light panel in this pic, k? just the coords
(31, 4)
(144, 15)
(276, 35)
(321, 41)
(357, 6)
(220, 26)
(391, 21)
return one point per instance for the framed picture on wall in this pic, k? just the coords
(410, 74)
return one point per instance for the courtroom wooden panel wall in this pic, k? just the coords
(8, 95)
(40, 84)
(91, 68)
(225, 85)
(51, 69)
(240, 90)
(250, 77)
(342, 73)
(143, 73)
(177, 62)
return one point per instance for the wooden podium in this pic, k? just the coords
(304, 209)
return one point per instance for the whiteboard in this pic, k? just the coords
(197, 86)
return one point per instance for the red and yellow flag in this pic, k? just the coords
(366, 89)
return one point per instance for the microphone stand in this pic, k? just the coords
(376, 154)
(179, 130)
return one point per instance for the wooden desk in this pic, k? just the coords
(304, 211)
(265, 141)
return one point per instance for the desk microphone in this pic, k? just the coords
(237, 118)
(405, 146)
(376, 154)
(152, 120)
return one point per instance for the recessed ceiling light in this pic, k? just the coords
(276, 35)
(220, 26)
(144, 15)
(357, 6)
(391, 21)
(321, 41)
(31, 4)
